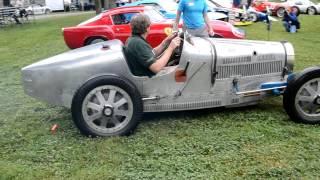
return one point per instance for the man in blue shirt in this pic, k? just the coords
(195, 18)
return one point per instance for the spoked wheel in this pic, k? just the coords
(107, 106)
(295, 9)
(302, 98)
(280, 12)
(311, 11)
(95, 41)
(253, 17)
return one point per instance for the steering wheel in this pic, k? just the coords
(175, 57)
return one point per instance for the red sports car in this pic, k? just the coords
(276, 8)
(114, 24)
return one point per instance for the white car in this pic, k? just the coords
(305, 6)
(38, 9)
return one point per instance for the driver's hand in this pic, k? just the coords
(211, 33)
(175, 43)
(170, 37)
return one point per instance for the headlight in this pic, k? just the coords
(290, 55)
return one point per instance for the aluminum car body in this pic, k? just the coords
(218, 72)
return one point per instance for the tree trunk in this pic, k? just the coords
(98, 6)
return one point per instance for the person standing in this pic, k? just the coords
(195, 18)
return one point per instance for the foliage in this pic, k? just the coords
(252, 143)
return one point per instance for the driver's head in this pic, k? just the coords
(140, 24)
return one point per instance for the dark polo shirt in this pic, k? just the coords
(139, 56)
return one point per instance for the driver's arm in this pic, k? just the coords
(164, 44)
(163, 60)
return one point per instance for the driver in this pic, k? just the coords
(142, 59)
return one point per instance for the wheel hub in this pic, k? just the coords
(108, 111)
(317, 100)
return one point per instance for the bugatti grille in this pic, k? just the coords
(249, 69)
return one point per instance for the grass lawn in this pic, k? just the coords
(250, 143)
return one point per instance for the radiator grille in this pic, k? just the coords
(233, 60)
(249, 69)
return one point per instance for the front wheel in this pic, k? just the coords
(107, 106)
(253, 17)
(302, 98)
(280, 12)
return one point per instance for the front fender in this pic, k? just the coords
(294, 76)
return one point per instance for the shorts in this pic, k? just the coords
(200, 32)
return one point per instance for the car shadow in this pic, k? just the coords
(193, 114)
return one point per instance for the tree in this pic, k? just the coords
(98, 6)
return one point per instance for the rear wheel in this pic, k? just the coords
(296, 9)
(311, 11)
(216, 36)
(302, 98)
(107, 106)
(95, 40)
(280, 12)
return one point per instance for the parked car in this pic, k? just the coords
(38, 9)
(169, 8)
(87, 6)
(304, 6)
(276, 8)
(114, 24)
(236, 16)
(106, 99)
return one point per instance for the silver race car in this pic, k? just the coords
(106, 99)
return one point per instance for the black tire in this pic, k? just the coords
(104, 111)
(47, 11)
(297, 9)
(280, 12)
(301, 98)
(311, 11)
(216, 36)
(95, 40)
(253, 17)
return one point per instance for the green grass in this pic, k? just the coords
(251, 143)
